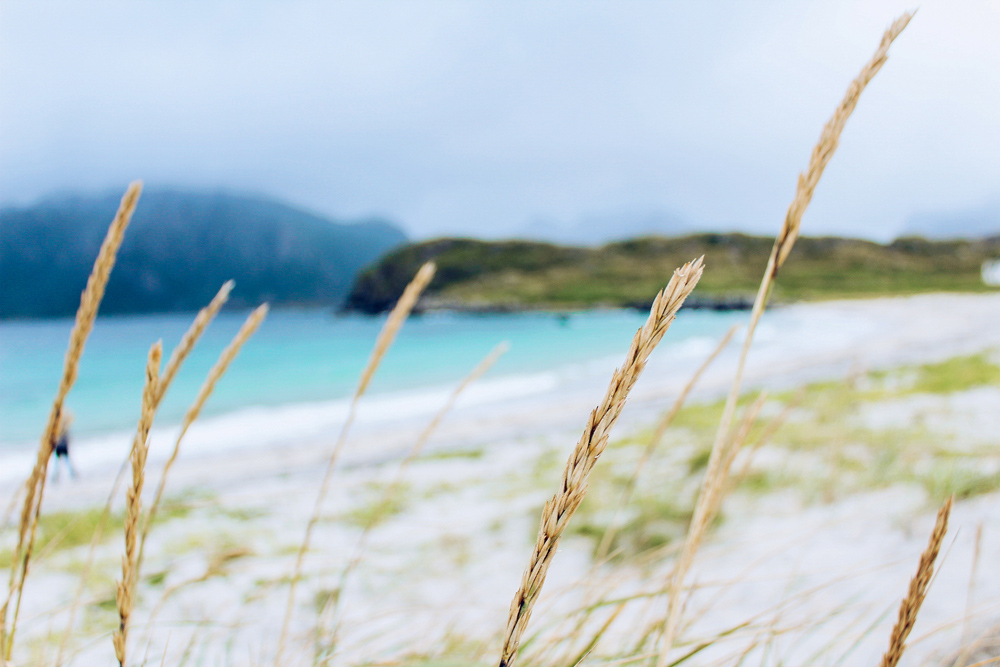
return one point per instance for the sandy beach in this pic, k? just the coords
(809, 562)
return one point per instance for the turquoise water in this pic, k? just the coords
(295, 357)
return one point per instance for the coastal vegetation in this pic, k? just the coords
(509, 275)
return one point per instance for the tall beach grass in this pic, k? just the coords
(656, 642)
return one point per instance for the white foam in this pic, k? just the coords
(885, 331)
(260, 427)
(269, 426)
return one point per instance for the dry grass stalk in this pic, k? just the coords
(595, 638)
(177, 358)
(394, 487)
(766, 434)
(705, 511)
(559, 510)
(393, 324)
(716, 491)
(668, 418)
(910, 606)
(966, 645)
(385, 339)
(180, 354)
(654, 442)
(90, 301)
(191, 336)
(418, 445)
(251, 324)
(481, 368)
(819, 159)
(821, 155)
(8, 512)
(125, 596)
(85, 573)
(216, 567)
(829, 140)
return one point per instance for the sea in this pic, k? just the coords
(297, 374)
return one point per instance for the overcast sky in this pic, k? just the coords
(488, 118)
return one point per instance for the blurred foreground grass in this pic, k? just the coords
(863, 433)
(872, 430)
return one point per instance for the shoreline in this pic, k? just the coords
(720, 303)
(796, 344)
(727, 302)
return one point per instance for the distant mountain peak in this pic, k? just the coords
(179, 248)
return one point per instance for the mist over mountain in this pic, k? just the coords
(179, 249)
(595, 230)
(969, 223)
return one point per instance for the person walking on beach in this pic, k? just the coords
(62, 447)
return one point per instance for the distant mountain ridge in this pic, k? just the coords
(179, 249)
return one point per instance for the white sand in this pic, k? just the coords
(444, 569)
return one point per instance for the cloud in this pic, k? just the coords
(477, 117)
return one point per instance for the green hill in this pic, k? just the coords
(179, 249)
(502, 275)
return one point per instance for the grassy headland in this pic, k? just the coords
(511, 275)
